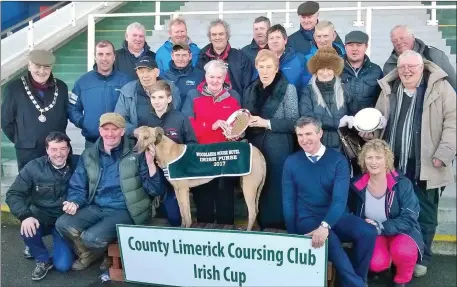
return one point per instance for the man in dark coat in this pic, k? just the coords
(240, 68)
(259, 41)
(33, 106)
(132, 49)
(302, 40)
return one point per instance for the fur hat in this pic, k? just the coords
(326, 57)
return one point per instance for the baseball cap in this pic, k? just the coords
(146, 62)
(112, 118)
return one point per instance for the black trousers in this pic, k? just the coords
(428, 216)
(219, 194)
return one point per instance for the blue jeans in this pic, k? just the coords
(353, 229)
(63, 254)
(96, 225)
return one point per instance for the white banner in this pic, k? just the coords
(207, 257)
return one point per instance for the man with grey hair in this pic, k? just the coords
(240, 68)
(133, 48)
(403, 39)
(177, 30)
(315, 185)
(259, 41)
(420, 107)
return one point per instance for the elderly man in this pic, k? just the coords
(44, 180)
(133, 48)
(315, 204)
(259, 42)
(360, 75)
(134, 102)
(96, 92)
(181, 72)
(291, 64)
(303, 40)
(33, 106)
(403, 39)
(420, 107)
(111, 185)
(177, 30)
(240, 68)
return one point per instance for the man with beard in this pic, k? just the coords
(403, 39)
(178, 33)
(259, 42)
(44, 180)
(360, 75)
(96, 92)
(134, 102)
(303, 40)
(33, 106)
(133, 48)
(240, 68)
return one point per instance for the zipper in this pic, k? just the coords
(98, 181)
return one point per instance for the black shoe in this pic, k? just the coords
(41, 270)
(27, 254)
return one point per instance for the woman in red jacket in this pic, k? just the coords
(208, 107)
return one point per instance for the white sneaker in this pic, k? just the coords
(419, 270)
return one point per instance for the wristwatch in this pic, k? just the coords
(325, 225)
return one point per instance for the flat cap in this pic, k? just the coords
(308, 8)
(181, 45)
(42, 57)
(356, 37)
(112, 118)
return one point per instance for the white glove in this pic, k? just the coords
(346, 121)
(382, 123)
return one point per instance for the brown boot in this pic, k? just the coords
(78, 244)
(106, 264)
(86, 259)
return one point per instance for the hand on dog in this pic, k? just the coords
(150, 154)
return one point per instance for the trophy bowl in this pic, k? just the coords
(238, 122)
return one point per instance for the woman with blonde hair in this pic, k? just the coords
(273, 104)
(386, 199)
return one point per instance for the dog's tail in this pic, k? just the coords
(262, 182)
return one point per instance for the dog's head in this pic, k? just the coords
(147, 136)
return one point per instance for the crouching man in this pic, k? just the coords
(44, 181)
(111, 185)
(315, 185)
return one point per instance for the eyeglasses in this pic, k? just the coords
(410, 67)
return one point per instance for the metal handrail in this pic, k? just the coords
(26, 21)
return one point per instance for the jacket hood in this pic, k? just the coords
(436, 74)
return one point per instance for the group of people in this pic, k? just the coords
(300, 90)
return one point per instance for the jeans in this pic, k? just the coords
(63, 254)
(96, 225)
(399, 249)
(170, 208)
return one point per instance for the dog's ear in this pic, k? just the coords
(159, 133)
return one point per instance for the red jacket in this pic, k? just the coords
(207, 110)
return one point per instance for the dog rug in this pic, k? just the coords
(211, 160)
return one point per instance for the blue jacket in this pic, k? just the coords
(362, 84)
(339, 49)
(93, 95)
(163, 55)
(302, 40)
(109, 192)
(185, 79)
(125, 61)
(126, 105)
(401, 204)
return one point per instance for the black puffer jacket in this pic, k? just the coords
(125, 61)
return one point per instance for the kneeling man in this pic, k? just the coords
(44, 181)
(111, 185)
(315, 186)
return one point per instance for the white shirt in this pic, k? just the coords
(319, 153)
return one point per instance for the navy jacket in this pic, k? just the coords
(185, 79)
(125, 61)
(251, 50)
(93, 95)
(402, 206)
(362, 84)
(302, 40)
(240, 68)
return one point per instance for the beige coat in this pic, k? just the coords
(438, 127)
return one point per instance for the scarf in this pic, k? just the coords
(406, 129)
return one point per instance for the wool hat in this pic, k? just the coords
(112, 118)
(42, 57)
(308, 8)
(326, 57)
